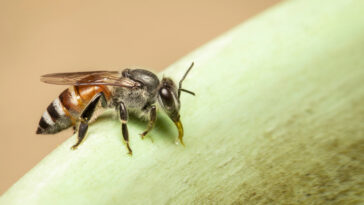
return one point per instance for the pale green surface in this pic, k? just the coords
(278, 117)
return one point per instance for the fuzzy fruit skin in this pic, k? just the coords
(278, 118)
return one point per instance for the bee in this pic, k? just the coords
(128, 91)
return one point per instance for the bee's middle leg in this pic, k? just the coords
(86, 116)
(123, 116)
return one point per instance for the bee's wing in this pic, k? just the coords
(112, 78)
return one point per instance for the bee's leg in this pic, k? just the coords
(152, 119)
(82, 130)
(86, 116)
(123, 116)
(74, 129)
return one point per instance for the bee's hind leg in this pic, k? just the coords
(74, 128)
(82, 130)
(86, 116)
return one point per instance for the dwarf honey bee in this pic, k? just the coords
(128, 91)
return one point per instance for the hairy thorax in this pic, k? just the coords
(137, 101)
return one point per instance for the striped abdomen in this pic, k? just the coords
(64, 111)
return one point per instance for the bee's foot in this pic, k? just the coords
(179, 141)
(142, 135)
(74, 147)
(130, 152)
(145, 134)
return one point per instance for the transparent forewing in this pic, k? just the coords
(112, 78)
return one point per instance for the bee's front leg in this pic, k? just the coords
(152, 119)
(123, 116)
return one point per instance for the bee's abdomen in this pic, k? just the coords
(66, 109)
(54, 119)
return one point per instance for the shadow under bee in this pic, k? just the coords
(163, 125)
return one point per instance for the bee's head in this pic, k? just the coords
(169, 99)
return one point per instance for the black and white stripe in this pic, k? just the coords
(54, 119)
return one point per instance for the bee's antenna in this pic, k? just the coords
(182, 79)
(187, 91)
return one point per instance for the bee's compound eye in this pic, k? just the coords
(167, 97)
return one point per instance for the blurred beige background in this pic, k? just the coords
(39, 37)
